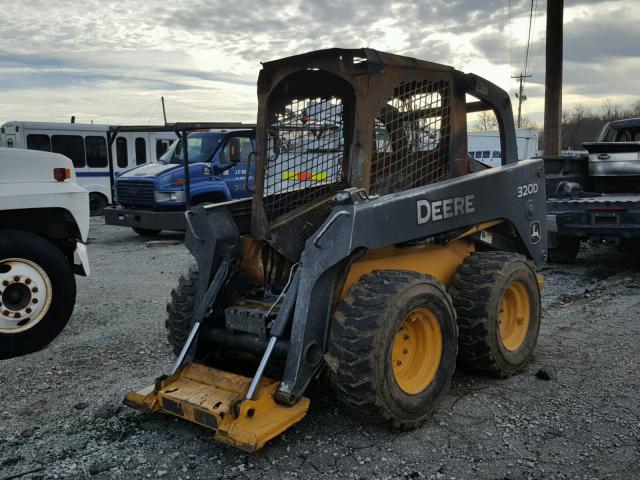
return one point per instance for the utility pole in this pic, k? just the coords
(520, 95)
(164, 113)
(553, 80)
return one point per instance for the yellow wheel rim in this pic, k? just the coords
(417, 349)
(515, 314)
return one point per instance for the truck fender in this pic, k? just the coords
(220, 193)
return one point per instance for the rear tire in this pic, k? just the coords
(388, 317)
(146, 232)
(497, 300)
(566, 250)
(37, 283)
(180, 309)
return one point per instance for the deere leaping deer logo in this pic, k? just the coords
(535, 233)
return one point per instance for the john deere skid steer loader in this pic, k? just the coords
(374, 252)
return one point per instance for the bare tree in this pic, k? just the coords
(527, 122)
(583, 124)
(485, 121)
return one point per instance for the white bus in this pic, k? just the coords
(485, 146)
(86, 146)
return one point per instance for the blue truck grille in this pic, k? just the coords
(135, 193)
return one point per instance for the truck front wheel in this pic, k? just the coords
(37, 292)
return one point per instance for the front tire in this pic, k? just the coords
(97, 204)
(392, 347)
(180, 309)
(497, 300)
(38, 292)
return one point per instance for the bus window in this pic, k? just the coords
(161, 147)
(70, 145)
(96, 152)
(121, 152)
(141, 151)
(38, 141)
(486, 154)
(496, 154)
(478, 154)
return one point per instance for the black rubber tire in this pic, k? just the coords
(21, 244)
(477, 289)
(146, 232)
(360, 341)
(566, 250)
(97, 204)
(180, 309)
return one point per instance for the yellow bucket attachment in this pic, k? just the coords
(215, 399)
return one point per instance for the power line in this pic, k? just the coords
(208, 109)
(153, 114)
(538, 52)
(523, 76)
(526, 55)
(138, 113)
(510, 48)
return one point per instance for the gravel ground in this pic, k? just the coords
(574, 413)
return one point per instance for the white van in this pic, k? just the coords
(86, 146)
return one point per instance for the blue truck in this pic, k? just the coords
(153, 197)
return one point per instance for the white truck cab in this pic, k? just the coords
(44, 223)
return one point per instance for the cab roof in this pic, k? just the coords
(365, 58)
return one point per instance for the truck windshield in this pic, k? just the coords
(202, 146)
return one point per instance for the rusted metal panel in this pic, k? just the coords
(335, 118)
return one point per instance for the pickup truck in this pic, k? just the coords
(152, 197)
(595, 197)
(44, 222)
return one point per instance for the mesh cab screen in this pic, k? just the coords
(304, 158)
(412, 137)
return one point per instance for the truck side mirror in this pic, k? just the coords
(234, 149)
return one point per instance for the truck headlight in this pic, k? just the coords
(169, 196)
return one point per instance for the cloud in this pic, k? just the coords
(108, 60)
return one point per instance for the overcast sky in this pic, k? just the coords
(110, 62)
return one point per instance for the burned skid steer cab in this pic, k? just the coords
(375, 253)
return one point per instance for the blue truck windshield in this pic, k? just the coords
(202, 146)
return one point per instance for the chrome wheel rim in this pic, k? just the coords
(25, 294)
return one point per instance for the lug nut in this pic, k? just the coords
(17, 315)
(16, 278)
(34, 289)
(5, 282)
(405, 351)
(28, 310)
(27, 281)
(35, 300)
(398, 363)
(406, 337)
(5, 312)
